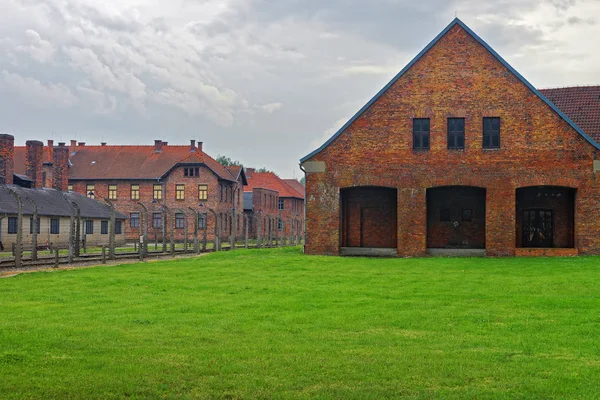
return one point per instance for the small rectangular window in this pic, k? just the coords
(445, 214)
(456, 133)
(186, 172)
(179, 220)
(135, 192)
(202, 192)
(421, 133)
(112, 192)
(157, 192)
(69, 187)
(491, 133)
(12, 225)
(180, 192)
(280, 224)
(54, 226)
(201, 221)
(89, 227)
(118, 227)
(281, 204)
(104, 227)
(90, 191)
(134, 220)
(156, 220)
(31, 226)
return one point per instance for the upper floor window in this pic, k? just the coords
(491, 133)
(69, 187)
(112, 192)
(90, 191)
(135, 192)
(421, 133)
(179, 192)
(191, 171)
(456, 133)
(157, 192)
(281, 204)
(202, 192)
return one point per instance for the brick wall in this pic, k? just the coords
(34, 158)
(60, 164)
(7, 153)
(457, 77)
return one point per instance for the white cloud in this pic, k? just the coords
(271, 107)
(36, 93)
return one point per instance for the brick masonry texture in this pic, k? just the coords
(33, 162)
(457, 77)
(7, 149)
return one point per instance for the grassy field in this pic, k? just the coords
(278, 324)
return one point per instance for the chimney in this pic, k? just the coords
(102, 144)
(249, 172)
(192, 146)
(73, 146)
(34, 159)
(199, 146)
(7, 155)
(165, 144)
(157, 146)
(81, 144)
(60, 170)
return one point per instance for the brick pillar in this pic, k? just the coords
(412, 222)
(60, 171)
(7, 153)
(500, 226)
(33, 162)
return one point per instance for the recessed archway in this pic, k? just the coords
(456, 217)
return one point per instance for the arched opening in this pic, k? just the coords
(456, 217)
(545, 217)
(368, 221)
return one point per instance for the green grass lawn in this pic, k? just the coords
(278, 324)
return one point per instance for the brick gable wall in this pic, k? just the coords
(457, 77)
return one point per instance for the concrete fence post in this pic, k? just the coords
(246, 219)
(18, 252)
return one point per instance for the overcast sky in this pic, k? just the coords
(261, 81)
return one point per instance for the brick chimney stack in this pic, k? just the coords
(200, 146)
(34, 159)
(60, 170)
(73, 146)
(81, 144)
(249, 172)
(7, 155)
(192, 146)
(158, 146)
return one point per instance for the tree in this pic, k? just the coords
(228, 162)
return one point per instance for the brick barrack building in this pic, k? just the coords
(183, 178)
(460, 154)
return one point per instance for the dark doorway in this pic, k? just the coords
(456, 217)
(369, 217)
(545, 217)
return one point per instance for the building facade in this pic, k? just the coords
(457, 153)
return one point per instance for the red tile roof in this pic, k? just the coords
(127, 162)
(268, 180)
(296, 185)
(581, 104)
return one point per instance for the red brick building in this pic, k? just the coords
(183, 178)
(279, 203)
(459, 153)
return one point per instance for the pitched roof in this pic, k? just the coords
(456, 21)
(296, 185)
(20, 155)
(581, 104)
(268, 180)
(136, 162)
(52, 202)
(236, 171)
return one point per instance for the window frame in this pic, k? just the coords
(281, 204)
(104, 227)
(454, 134)
(90, 188)
(202, 221)
(157, 191)
(112, 192)
(157, 222)
(12, 225)
(179, 220)
(31, 225)
(180, 191)
(89, 226)
(490, 133)
(205, 191)
(54, 226)
(420, 134)
(134, 191)
(136, 219)
(118, 227)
